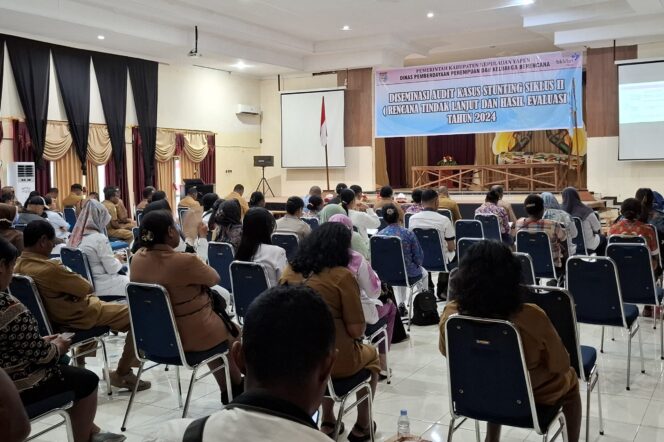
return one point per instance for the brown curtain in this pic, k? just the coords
(416, 155)
(165, 178)
(93, 178)
(189, 169)
(483, 153)
(381, 164)
(67, 172)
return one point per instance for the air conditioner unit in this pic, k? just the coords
(246, 109)
(21, 176)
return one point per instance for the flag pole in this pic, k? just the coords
(327, 169)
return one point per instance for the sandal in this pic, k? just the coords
(332, 425)
(364, 437)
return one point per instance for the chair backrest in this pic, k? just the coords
(220, 257)
(407, 219)
(379, 212)
(637, 280)
(139, 216)
(182, 212)
(446, 212)
(579, 240)
(135, 231)
(24, 289)
(434, 256)
(490, 225)
(659, 252)
(593, 283)
(249, 279)
(388, 261)
(20, 227)
(503, 394)
(287, 241)
(383, 223)
(313, 222)
(76, 260)
(156, 337)
(463, 244)
(70, 217)
(527, 268)
(468, 228)
(558, 305)
(626, 239)
(538, 246)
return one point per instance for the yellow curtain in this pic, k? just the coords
(381, 163)
(57, 142)
(99, 145)
(195, 146)
(166, 178)
(165, 147)
(416, 155)
(483, 149)
(67, 172)
(188, 168)
(92, 178)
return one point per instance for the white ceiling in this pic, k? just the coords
(283, 36)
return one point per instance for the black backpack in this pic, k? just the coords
(425, 309)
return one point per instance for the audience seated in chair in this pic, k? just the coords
(535, 223)
(53, 194)
(284, 383)
(116, 228)
(34, 210)
(328, 275)
(75, 198)
(191, 200)
(8, 215)
(357, 243)
(209, 199)
(314, 206)
(491, 207)
(69, 299)
(503, 203)
(386, 196)
(256, 243)
(649, 214)
(445, 202)
(313, 191)
(32, 361)
(57, 221)
(93, 196)
(429, 218)
(88, 236)
(147, 197)
(572, 204)
(554, 212)
(336, 198)
(291, 222)
(257, 199)
(487, 286)
(370, 289)
(416, 206)
(236, 194)
(187, 280)
(228, 222)
(361, 214)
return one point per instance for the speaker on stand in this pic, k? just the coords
(264, 161)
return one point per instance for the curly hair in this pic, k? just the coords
(487, 283)
(325, 247)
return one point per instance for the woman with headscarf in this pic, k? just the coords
(8, 216)
(229, 223)
(357, 243)
(554, 212)
(376, 314)
(593, 238)
(89, 235)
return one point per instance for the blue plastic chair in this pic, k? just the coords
(527, 270)
(406, 220)
(70, 217)
(626, 239)
(56, 405)
(249, 280)
(220, 257)
(77, 261)
(637, 279)
(182, 212)
(118, 245)
(314, 223)
(20, 227)
(135, 231)
(434, 255)
(558, 305)
(287, 241)
(24, 289)
(463, 244)
(490, 226)
(538, 246)
(157, 339)
(468, 228)
(389, 264)
(342, 389)
(139, 216)
(594, 285)
(579, 240)
(447, 213)
(503, 394)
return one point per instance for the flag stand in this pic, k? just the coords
(327, 169)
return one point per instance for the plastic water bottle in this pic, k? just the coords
(403, 425)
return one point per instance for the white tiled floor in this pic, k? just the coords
(419, 384)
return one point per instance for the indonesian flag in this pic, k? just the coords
(323, 125)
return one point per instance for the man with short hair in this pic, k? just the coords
(191, 200)
(386, 196)
(337, 197)
(291, 222)
(284, 384)
(53, 193)
(445, 202)
(504, 204)
(491, 207)
(429, 218)
(147, 196)
(75, 197)
(236, 194)
(362, 216)
(534, 205)
(313, 191)
(69, 299)
(115, 228)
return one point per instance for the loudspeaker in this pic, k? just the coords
(264, 161)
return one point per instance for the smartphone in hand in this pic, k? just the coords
(67, 335)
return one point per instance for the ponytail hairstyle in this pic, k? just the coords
(631, 209)
(315, 203)
(154, 228)
(212, 221)
(390, 213)
(645, 196)
(256, 199)
(347, 197)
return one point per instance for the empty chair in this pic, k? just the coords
(579, 240)
(407, 219)
(434, 255)
(447, 213)
(249, 279)
(490, 226)
(157, 340)
(467, 228)
(527, 270)
(538, 246)
(70, 217)
(287, 241)
(558, 305)
(220, 257)
(313, 222)
(626, 239)
(463, 244)
(501, 395)
(594, 285)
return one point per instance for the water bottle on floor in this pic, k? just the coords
(403, 425)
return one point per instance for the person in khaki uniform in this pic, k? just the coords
(69, 300)
(190, 201)
(75, 198)
(236, 194)
(116, 228)
(147, 197)
(445, 202)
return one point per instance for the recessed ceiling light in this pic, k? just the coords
(345, 28)
(430, 14)
(100, 37)
(241, 65)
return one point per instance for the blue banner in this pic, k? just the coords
(525, 92)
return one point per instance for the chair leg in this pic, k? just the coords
(370, 406)
(189, 390)
(410, 306)
(629, 355)
(661, 332)
(177, 374)
(643, 367)
(387, 358)
(478, 437)
(563, 427)
(67, 424)
(601, 347)
(107, 374)
(131, 398)
(450, 430)
(340, 416)
(613, 334)
(227, 372)
(599, 406)
(588, 391)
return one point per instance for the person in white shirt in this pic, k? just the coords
(291, 222)
(363, 216)
(429, 218)
(57, 221)
(256, 243)
(286, 353)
